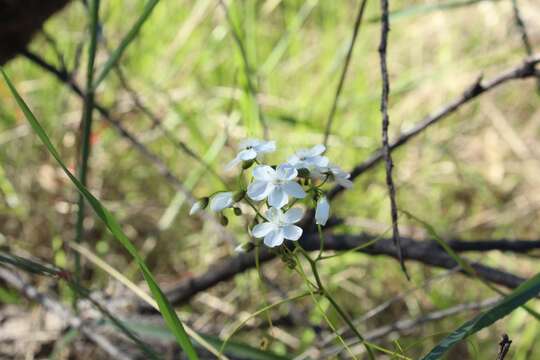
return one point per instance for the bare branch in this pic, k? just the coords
(425, 252)
(385, 28)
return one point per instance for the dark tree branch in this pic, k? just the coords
(385, 28)
(426, 252)
(526, 69)
(348, 57)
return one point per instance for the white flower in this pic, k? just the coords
(340, 176)
(221, 201)
(279, 226)
(198, 206)
(277, 185)
(322, 211)
(310, 159)
(250, 149)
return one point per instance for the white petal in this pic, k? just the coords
(261, 230)
(278, 198)
(293, 160)
(294, 189)
(322, 211)
(266, 147)
(316, 150)
(293, 215)
(248, 154)
(259, 190)
(320, 161)
(264, 173)
(274, 238)
(286, 172)
(249, 143)
(274, 215)
(221, 201)
(292, 232)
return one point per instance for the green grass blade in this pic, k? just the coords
(130, 36)
(27, 265)
(526, 291)
(170, 317)
(86, 131)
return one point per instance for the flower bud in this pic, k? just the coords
(291, 264)
(322, 211)
(247, 164)
(223, 220)
(239, 195)
(303, 173)
(199, 205)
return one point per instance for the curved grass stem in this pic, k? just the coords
(335, 305)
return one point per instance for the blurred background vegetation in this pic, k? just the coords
(473, 176)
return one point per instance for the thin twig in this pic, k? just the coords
(520, 24)
(385, 28)
(348, 57)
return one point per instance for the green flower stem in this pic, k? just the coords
(255, 208)
(337, 307)
(321, 241)
(317, 291)
(263, 286)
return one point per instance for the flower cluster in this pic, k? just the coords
(278, 188)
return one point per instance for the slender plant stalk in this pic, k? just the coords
(313, 290)
(86, 131)
(335, 305)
